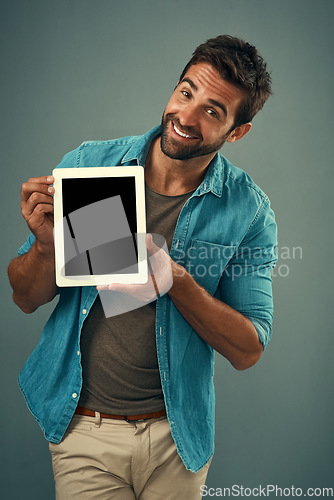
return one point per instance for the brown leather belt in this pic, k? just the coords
(80, 410)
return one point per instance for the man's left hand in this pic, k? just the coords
(160, 278)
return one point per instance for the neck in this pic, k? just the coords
(173, 177)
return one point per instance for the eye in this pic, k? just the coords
(185, 93)
(212, 113)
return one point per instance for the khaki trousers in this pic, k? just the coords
(106, 459)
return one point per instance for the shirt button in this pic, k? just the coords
(78, 353)
(84, 311)
(74, 395)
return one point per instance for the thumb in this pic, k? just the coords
(150, 245)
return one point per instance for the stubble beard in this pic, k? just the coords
(178, 151)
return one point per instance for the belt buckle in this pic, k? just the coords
(134, 419)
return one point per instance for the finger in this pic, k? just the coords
(150, 245)
(124, 288)
(44, 179)
(29, 188)
(158, 260)
(34, 200)
(37, 217)
(28, 209)
(117, 287)
(35, 184)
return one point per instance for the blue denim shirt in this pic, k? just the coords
(225, 237)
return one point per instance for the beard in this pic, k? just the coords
(181, 151)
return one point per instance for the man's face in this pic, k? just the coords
(200, 114)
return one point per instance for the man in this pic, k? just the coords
(88, 371)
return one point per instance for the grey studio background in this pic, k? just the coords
(74, 70)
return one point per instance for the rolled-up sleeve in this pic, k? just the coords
(246, 284)
(26, 245)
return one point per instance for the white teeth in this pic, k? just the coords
(181, 133)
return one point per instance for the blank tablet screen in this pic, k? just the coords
(100, 226)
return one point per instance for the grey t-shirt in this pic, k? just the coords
(119, 359)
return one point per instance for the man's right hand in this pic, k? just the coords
(32, 275)
(37, 209)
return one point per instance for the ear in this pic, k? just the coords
(239, 132)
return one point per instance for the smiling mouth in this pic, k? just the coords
(182, 134)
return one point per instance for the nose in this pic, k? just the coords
(188, 115)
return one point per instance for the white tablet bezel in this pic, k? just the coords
(92, 172)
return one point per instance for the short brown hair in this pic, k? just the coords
(239, 63)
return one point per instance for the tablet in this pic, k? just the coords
(99, 226)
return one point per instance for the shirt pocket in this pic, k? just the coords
(206, 262)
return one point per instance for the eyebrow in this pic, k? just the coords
(211, 101)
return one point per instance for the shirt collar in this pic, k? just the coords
(139, 150)
(213, 180)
